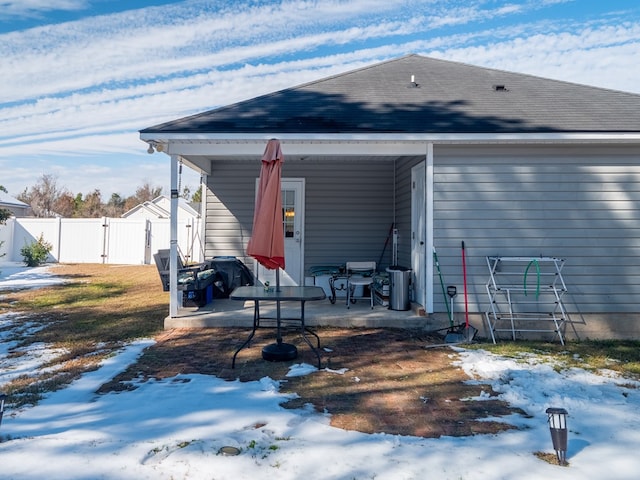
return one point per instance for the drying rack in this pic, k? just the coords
(525, 295)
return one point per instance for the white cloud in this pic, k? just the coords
(33, 8)
(173, 96)
(83, 89)
(606, 57)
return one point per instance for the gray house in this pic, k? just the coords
(16, 207)
(515, 166)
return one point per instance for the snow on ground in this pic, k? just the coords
(174, 428)
(16, 276)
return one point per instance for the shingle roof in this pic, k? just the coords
(447, 97)
(8, 201)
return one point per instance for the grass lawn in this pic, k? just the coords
(97, 310)
(102, 307)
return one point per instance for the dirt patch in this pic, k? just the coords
(376, 380)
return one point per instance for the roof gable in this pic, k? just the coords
(163, 202)
(444, 97)
(160, 207)
(146, 208)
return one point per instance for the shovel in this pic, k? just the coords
(453, 334)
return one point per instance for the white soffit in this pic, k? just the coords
(374, 144)
(371, 145)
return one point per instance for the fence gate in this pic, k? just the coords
(95, 240)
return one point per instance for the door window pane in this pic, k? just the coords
(288, 212)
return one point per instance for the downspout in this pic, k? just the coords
(174, 300)
(428, 189)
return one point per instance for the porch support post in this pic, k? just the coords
(204, 180)
(428, 189)
(174, 300)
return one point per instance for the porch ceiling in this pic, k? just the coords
(198, 151)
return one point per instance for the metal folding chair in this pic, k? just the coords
(359, 274)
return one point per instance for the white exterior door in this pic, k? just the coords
(419, 233)
(293, 224)
(293, 210)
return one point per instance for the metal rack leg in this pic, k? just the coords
(490, 327)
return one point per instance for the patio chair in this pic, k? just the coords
(359, 274)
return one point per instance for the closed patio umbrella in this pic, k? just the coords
(266, 244)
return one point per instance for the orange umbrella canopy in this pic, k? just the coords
(266, 244)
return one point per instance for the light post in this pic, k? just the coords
(557, 418)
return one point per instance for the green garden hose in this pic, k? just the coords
(534, 261)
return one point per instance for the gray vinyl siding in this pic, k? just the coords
(229, 212)
(348, 209)
(577, 204)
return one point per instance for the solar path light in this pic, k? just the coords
(557, 418)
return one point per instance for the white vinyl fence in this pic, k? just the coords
(99, 240)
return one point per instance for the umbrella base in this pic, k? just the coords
(278, 352)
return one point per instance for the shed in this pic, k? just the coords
(160, 207)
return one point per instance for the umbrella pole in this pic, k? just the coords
(279, 351)
(267, 239)
(278, 334)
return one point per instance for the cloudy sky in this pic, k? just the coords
(79, 78)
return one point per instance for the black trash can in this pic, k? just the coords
(399, 280)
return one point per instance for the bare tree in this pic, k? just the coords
(43, 196)
(47, 199)
(65, 205)
(145, 193)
